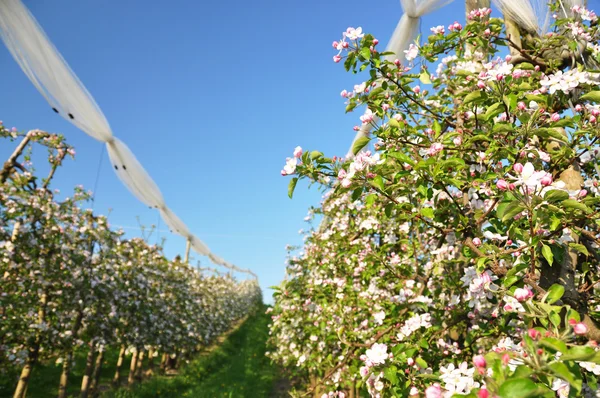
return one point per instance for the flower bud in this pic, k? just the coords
(518, 167)
(502, 185)
(479, 361)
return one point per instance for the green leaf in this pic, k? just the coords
(292, 186)
(314, 155)
(378, 182)
(561, 370)
(580, 248)
(422, 364)
(391, 374)
(494, 110)
(554, 318)
(475, 95)
(427, 212)
(554, 344)
(360, 144)
(579, 353)
(424, 77)
(402, 157)
(503, 128)
(370, 200)
(350, 107)
(556, 195)
(512, 210)
(554, 293)
(547, 253)
(593, 96)
(573, 204)
(365, 52)
(517, 388)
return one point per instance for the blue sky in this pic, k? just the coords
(211, 97)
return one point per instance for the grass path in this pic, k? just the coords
(237, 367)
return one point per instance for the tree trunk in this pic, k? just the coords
(140, 366)
(150, 370)
(89, 367)
(132, 367)
(163, 363)
(64, 376)
(117, 378)
(96, 373)
(21, 389)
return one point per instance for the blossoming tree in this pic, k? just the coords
(71, 283)
(461, 255)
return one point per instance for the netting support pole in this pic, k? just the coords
(188, 246)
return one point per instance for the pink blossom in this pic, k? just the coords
(337, 58)
(477, 241)
(555, 117)
(457, 141)
(354, 34)
(434, 391)
(438, 30)
(534, 334)
(483, 393)
(368, 117)
(435, 148)
(479, 361)
(298, 152)
(518, 167)
(455, 27)
(546, 180)
(502, 185)
(412, 52)
(523, 294)
(580, 328)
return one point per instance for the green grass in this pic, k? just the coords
(45, 376)
(237, 368)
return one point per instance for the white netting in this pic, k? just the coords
(133, 175)
(533, 15)
(48, 71)
(54, 79)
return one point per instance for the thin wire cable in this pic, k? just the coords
(98, 175)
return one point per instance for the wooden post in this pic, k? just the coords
(188, 246)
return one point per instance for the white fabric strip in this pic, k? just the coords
(58, 84)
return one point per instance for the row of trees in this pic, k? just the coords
(462, 256)
(71, 283)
